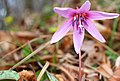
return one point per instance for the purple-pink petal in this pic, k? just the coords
(78, 39)
(65, 12)
(60, 33)
(93, 31)
(85, 7)
(97, 15)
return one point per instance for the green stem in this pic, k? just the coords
(113, 32)
(115, 25)
(80, 71)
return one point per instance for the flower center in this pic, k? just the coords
(79, 20)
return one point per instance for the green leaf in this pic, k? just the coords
(46, 52)
(112, 56)
(53, 29)
(95, 66)
(9, 75)
(44, 77)
(26, 51)
(51, 77)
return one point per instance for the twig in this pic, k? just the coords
(75, 68)
(108, 48)
(46, 57)
(22, 47)
(29, 44)
(7, 42)
(46, 44)
(47, 72)
(12, 51)
(32, 54)
(43, 71)
(18, 49)
(91, 68)
(64, 70)
(96, 70)
(102, 44)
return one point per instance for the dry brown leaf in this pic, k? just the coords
(117, 36)
(6, 42)
(105, 70)
(88, 44)
(69, 58)
(72, 72)
(24, 36)
(116, 75)
(92, 77)
(95, 53)
(59, 77)
(27, 76)
(94, 58)
(66, 43)
(51, 48)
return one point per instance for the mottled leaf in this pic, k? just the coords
(9, 75)
(51, 77)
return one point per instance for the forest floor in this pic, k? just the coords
(25, 48)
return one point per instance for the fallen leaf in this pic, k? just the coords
(105, 70)
(116, 75)
(6, 42)
(27, 76)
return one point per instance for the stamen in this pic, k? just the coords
(83, 20)
(77, 21)
(73, 23)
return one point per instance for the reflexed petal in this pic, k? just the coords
(93, 31)
(65, 12)
(78, 39)
(61, 32)
(85, 7)
(97, 15)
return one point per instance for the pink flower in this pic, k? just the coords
(80, 20)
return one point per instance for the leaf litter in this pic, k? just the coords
(96, 63)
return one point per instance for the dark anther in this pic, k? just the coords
(85, 22)
(77, 21)
(81, 18)
(73, 23)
